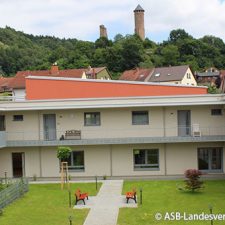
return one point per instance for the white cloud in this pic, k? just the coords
(81, 19)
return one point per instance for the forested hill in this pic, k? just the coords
(20, 51)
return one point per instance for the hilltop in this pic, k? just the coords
(20, 51)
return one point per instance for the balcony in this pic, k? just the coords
(100, 136)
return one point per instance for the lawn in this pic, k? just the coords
(163, 196)
(46, 204)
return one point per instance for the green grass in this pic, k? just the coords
(163, 196)
(46, 204)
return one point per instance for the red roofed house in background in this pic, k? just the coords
(17, 83)
(4, 84)
(137, 74)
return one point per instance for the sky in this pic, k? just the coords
(81, 18)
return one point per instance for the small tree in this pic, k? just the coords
(192, 182)
(63, 153)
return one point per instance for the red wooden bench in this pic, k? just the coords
(131, 195)
(80, 196)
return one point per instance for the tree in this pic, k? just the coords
(132, 52)
(179, 34)
(170, 55)
(103, 42)
(192, 181)
(63, 153)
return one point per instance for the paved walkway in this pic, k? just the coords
(105, 206)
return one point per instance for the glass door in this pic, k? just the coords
(49, 126)
(210, 159)
(184, 122)
(18, 164)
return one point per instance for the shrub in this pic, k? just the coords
(192, 182)
(63, 152)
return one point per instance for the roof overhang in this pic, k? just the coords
(119, 102)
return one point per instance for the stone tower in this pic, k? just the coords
(139, 22)
(103, 31)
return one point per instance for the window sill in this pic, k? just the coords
(146, 169)
(74, 170)
(146, 124)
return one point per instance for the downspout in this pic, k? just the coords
(110, 152)
(39, 138)
(164, 135)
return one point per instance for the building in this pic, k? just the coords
(4, 84)
(117, 129)
(137, 74)
(211, 76)
(16, 85)
(103, 31)
(167, 75)
(173, 75)
(139, 22)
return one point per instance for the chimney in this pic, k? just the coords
(54, 69)
(93, 74)
(103, 31)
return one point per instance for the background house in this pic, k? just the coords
(16, 85)
(211, 76)
(168, 75)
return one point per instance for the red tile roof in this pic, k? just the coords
(4, 83)
(222, 77)
(19, 80)
(137, 74)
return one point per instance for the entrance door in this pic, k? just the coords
(49, 126)
(18, 164)
(184, 122)
(210, 159)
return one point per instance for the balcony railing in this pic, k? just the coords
(103, 133)
(12, 98)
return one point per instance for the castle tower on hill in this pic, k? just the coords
(139, 22)
(103, 31)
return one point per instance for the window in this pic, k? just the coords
(17, 117)
(188, 76)
(146, 159)
(2, 123)
(140, 118)
(76, 161)
(210, 159)
(216, 112)
(92, 119)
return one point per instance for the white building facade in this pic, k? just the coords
(116, 137)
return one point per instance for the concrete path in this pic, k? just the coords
(105, 206)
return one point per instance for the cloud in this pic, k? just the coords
(81, 19)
